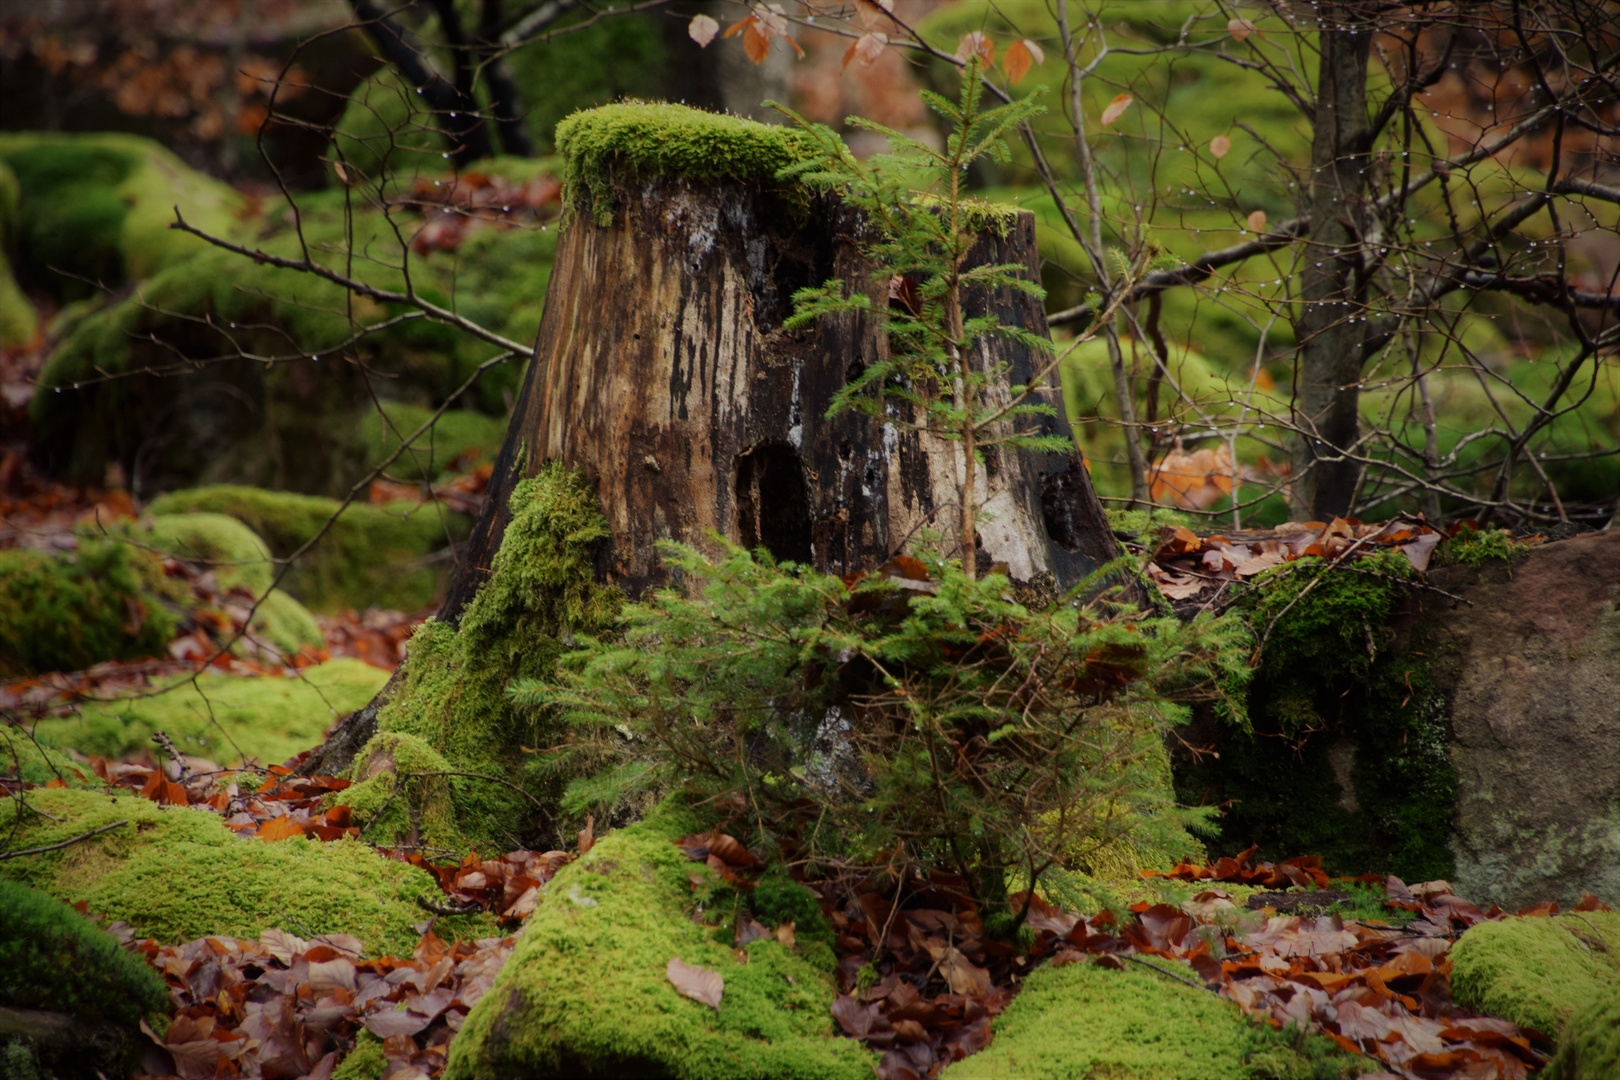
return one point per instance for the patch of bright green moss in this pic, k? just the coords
(64, 611)
(1082, 1022)
(371, 556)
(1538, 971)
(267, 719)
(400, 791)
(100, 205)
(1476, 547)
(176, 874)
(586, 992)
(1590, 1046)
(18, 320)
(364, 1062)
(639, 140)
(542, 587)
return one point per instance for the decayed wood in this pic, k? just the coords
(662, 369)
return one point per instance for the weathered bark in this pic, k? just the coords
(1332, 322)
(662, 369)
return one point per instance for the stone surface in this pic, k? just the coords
(1532, 672)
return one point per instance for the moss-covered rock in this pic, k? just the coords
(64, 611)
(1590, 1046)
(55, 960)
(372, 556)
(176, 874)
(1538, 971)
(99, 207)
(587, 994)
(1081, 1022)
(620, 144)
(457, 434)
(220, 717)
(542, 587)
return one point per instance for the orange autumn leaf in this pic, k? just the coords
(1220, 146)
(1256, 221)
(279, 828)
(1116, 109)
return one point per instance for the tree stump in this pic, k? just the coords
(662, 369)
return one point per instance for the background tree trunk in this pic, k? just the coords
(1333, 288)
(661, 368)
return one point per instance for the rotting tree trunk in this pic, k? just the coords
(661, 368)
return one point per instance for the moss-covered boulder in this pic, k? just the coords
(1538, 971)
(63, 611)
(1590, 1046)
(371, 556)
(71, 1000)
(224, 718)
(587, 991)
(98, 207)
(1081, 1021)
(176, 874)
(453, 702)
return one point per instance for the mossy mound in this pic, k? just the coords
(99, 207)
(638, 140)
(55, 960)
(64, 611)
(542, 587)
(223, 718)
(1538, 971)
(587, 994)
(1082, 1022)
(1590, 1046)
(176, 874)
(18, 320)
(372, 556)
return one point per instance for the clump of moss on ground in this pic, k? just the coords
(1343, 750)
(54, 959)
(586, 992)
(99, 207)
(1538, 971)
(1476, 547)
(1590, 1046)
(1086, 1021)
(224, 718)
(176, 874)
(639, 140)
(18, 320)
(372, 556)
(64, 611)
(542, 587)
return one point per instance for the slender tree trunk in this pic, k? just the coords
(1331, 323)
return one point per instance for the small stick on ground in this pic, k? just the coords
(65, 843)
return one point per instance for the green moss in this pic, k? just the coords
(176, 874)
(51, 957)
(639, 140)
(586, 991)
(18, 321)
(65, 611)
(1082, 1022)
(33, 762)
(364, 1062)
(1476, 547)
(1343, 752)
(221, 717)
(1538, 971)
(99, 206)
(542, 587)
(371, 556)
(1590, 1046)
(400, 791)
(618, 58)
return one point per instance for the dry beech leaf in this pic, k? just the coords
(699, 984)
(1016, 61)
(587, 835)
(784, 934)
(1256, 221)
(279, 828)
(756, 44)
(702, 29)
(1220, 146)
(1239, 28)
(866, 48)
(976, 44)
(1116, 109)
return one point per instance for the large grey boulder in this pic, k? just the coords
(1532, 672)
